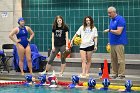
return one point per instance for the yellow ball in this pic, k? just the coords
(77, 40)
(108, 48)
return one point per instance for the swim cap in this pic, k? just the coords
(75, 79)
(106, 82)
(20, 19)
(128, 84)
(28, 78)
(91, 82)
(50, 78)
(42, 78)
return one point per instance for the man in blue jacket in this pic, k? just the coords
(117, 39)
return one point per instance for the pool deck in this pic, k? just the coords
(74, 68)
(15, 76)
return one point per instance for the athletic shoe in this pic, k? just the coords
(44, 72)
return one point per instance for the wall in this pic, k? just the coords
(10, 11)
(39, 14)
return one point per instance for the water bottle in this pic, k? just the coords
(100, 72)
(49, 51)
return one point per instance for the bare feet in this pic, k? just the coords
(32, 74)
(22, 74)
(87, 75)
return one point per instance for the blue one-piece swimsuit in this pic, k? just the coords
(23, 36)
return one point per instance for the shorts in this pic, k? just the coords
(90, 48)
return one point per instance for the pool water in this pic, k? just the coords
(45, 89)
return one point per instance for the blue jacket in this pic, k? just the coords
(35, 56)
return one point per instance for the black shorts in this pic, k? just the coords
(90, 48)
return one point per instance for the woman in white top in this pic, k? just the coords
(88, 33)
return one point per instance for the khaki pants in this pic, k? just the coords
(117, 59)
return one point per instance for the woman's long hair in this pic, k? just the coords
(91, 22)
(55, 22)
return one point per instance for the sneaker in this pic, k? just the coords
(60, 74)
(82, 76)
(114, 76)
(43, 73)
(121, 77)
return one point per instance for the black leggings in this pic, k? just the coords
(53, 54)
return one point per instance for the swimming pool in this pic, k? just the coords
(45, 89)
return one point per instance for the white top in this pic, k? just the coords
(87, 36)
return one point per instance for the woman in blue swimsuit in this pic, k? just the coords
(22, 43)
